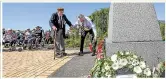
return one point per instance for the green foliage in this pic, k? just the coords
(162, 29)
(74, 39)
(100, 19)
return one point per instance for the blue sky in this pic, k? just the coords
(28, 15)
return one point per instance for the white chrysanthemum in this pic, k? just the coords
(137, 69)
(103, 70)
(115, 66)
(109, 76)
(98, 69)
(102, 77)
(107, 67)
(134, 56)
(131, 58)
(105, 63)
(120, 66)
(142, 64)
(135, 62)
(130, 61)
(114, 57)
(121, 53)
(147, 72)
(123, 62)
(130, 66)
(107, 73)
(96, 75)
(127, 53)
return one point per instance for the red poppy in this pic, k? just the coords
(100, 56)
(90, 47)
(100, 50)
(89, 76)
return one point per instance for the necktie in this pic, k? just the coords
(61, 23)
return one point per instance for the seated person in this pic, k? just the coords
(47, 37)
(9, 37)
(28, 37)
(38, 33)
(19, 37)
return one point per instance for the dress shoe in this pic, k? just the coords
(93, 54)
(64, 54)
(80, 54)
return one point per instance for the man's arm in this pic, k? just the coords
(67, 21)
(52, 20)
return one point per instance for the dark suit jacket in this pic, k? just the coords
(54, 22)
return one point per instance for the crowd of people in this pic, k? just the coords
(28, 38)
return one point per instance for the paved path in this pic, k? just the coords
(32, 64)
(78, 66)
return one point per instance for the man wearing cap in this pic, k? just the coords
(57, 23)
(86, 25)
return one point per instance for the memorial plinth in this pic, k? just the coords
(134, 27)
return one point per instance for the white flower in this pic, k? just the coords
(130, 66)
(127, 53)
(115, 66)
(120, 65)
(123, 62)
(96, 75)
(121, 53)
(130, 61)
(142, 64)
(114, 57)
(108, 74)
(102, 77)
(105, 63)
(98, 69)
(137, 69)
(135, 62)
(134, 56)
(103, 70)
(147, 72)
(107, 67)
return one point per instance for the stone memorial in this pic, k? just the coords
(134, 27)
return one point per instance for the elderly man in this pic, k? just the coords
(86, 25)
(57, 23)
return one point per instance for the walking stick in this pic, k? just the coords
(54, 44)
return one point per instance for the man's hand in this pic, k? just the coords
(54, 28)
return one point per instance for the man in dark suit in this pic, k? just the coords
(57, 23)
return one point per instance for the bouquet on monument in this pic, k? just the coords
(106, 67)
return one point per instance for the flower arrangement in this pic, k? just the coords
(106, 67)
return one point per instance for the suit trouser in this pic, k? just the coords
(59, 44)
(83, 35)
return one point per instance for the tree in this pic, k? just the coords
(100, 19)
(162, 29)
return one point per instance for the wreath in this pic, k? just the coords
(106, 67)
